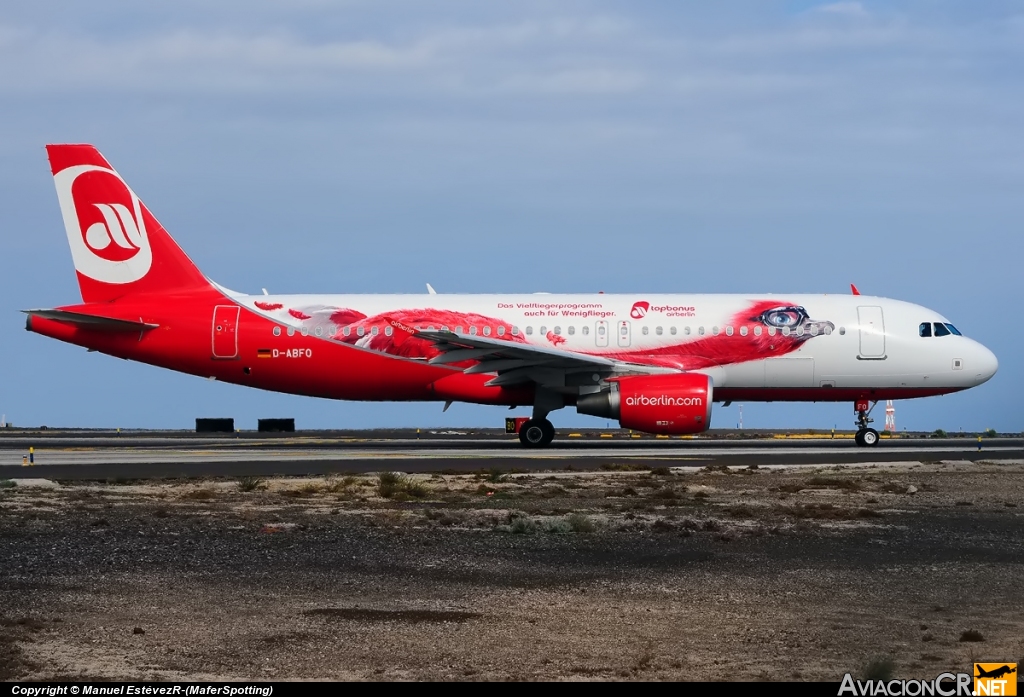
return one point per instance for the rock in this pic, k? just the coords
(138, 630)
(911, 489)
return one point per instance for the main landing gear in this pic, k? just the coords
(536, 433)
(866, 436)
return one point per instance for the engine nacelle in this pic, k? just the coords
(668, 404)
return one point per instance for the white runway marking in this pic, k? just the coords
(680, 453)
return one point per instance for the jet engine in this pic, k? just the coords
(666, 404)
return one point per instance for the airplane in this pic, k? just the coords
(654, 363)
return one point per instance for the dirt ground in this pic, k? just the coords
(742, 574)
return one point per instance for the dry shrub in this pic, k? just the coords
(827, 511)
(393, 485)
(199, 495)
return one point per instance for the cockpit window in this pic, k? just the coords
(925, 329)
(940, 329)
(953, 329)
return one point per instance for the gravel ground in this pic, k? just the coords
(745, 574)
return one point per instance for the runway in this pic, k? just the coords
(76, 456)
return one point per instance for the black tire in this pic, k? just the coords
(859, 438)
(549, 432)
(532, 434)
(869, 437)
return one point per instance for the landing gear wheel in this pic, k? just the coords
(549, 432)
(536, 433)
(867, 437)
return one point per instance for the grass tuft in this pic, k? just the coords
(972, 635)
(393, 485)
(251, 484)
(580, 523)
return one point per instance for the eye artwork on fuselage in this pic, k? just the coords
(762, 329)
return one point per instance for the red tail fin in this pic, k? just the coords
(118, 247)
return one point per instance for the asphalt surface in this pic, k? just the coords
(161, 455)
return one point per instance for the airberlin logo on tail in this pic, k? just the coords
(640, 309)
(118, 228)
(104, 223)
(663, 401)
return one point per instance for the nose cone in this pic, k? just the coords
(984, 364)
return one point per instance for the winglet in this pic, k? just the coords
(430, 289)
(853, 289)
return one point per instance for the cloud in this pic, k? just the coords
(846, 9)
(582, 81)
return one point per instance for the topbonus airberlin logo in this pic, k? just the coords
(663, 401)
(103, 219)
(640, 309)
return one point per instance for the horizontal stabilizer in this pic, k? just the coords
(92, 321)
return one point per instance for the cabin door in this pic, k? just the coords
(225, 331)
(872, 332)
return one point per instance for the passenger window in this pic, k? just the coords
(529, 330)
(645, 331)
(785, 331)
(714, 330)
(375, 331)
(501, 331)
(487, 331)
(658, 331)
(361, 331)
(586, 331)
(728, 331)
(558, 331)
(515, 331)
(700, 330)
(332, 330)
(771, 331)
(953, 329)
(458, 330)
(600, 330)
(686, 331)
(925, 329)
(572, 330)
(940, 329)
(672, 331)
(305, 331)
(828, 329)
(388, 331)
(743, 330)
(472, 331)
(291, 331)
(758, 330)
(346, 331)
(842, 331)
(277, 331)
(319, 331)
(543, 331)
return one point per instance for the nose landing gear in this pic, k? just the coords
(866, 436)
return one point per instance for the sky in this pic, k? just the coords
(356, 146)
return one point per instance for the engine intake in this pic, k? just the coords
(666, 404)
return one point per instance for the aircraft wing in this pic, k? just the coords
(516, 363)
